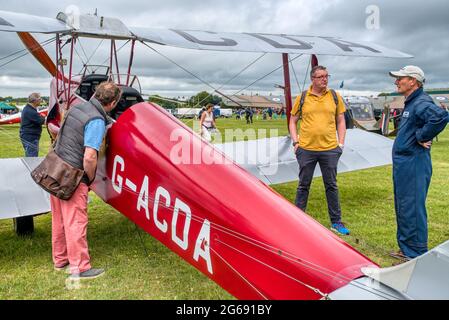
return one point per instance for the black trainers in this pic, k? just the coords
(88, 274)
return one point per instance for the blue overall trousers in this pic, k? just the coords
(421, 121)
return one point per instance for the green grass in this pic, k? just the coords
(151, 271)
(258, 129)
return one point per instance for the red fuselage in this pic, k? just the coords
(219, 218)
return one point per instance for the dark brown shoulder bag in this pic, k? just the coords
(57, 176)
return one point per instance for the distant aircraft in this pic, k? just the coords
(362, 111)
(16, 117)
(192, 197)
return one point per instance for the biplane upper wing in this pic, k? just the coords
(260, 42)
(96, 26)
(19, 22)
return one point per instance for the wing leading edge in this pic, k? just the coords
(259, 42)
(20, 22)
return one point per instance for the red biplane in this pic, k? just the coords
(158, 172)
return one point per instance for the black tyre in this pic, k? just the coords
(24, 226)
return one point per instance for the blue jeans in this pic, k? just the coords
(30, 145)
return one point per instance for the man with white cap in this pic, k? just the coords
(421, 121)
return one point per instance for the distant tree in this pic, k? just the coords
(6, 99)
(163, 102)
(204, 98)
(216, 100)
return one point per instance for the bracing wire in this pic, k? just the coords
(305, 75)
(199, 219)
(294, 73)
(23, 50)
(43, 44)
(274, 250)
(206, 83)
(106, 60)
(266, 75)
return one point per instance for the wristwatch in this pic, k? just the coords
(341, 145)
(295, 143)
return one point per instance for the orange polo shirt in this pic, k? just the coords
(318, 127)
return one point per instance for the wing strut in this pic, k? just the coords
(287, 88)
(314, 61)
(287, 85)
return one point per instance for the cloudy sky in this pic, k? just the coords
(420, 28)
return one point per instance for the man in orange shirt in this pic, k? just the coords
(321, 114)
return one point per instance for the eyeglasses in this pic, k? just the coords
(323, 77)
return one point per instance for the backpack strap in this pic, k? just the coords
(301, 103)
(334, 95)
(303, 99)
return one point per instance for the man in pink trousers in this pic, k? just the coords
(78, 143)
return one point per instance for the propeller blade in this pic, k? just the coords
(38, 52)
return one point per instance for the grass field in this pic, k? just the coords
(139, 267)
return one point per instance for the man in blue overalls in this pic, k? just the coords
(421, 121)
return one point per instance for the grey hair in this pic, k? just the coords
(418, 83)
(34, 97)
(315, 69)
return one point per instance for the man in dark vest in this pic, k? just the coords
(78, 143)
(31, 126)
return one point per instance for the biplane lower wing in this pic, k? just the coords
(19, 195)
(423, 278)
(273, 161)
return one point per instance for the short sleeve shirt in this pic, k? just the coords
(318, 128)
(94, 133)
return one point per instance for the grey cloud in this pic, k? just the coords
(419, 28)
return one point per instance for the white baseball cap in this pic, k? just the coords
(410, 71)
